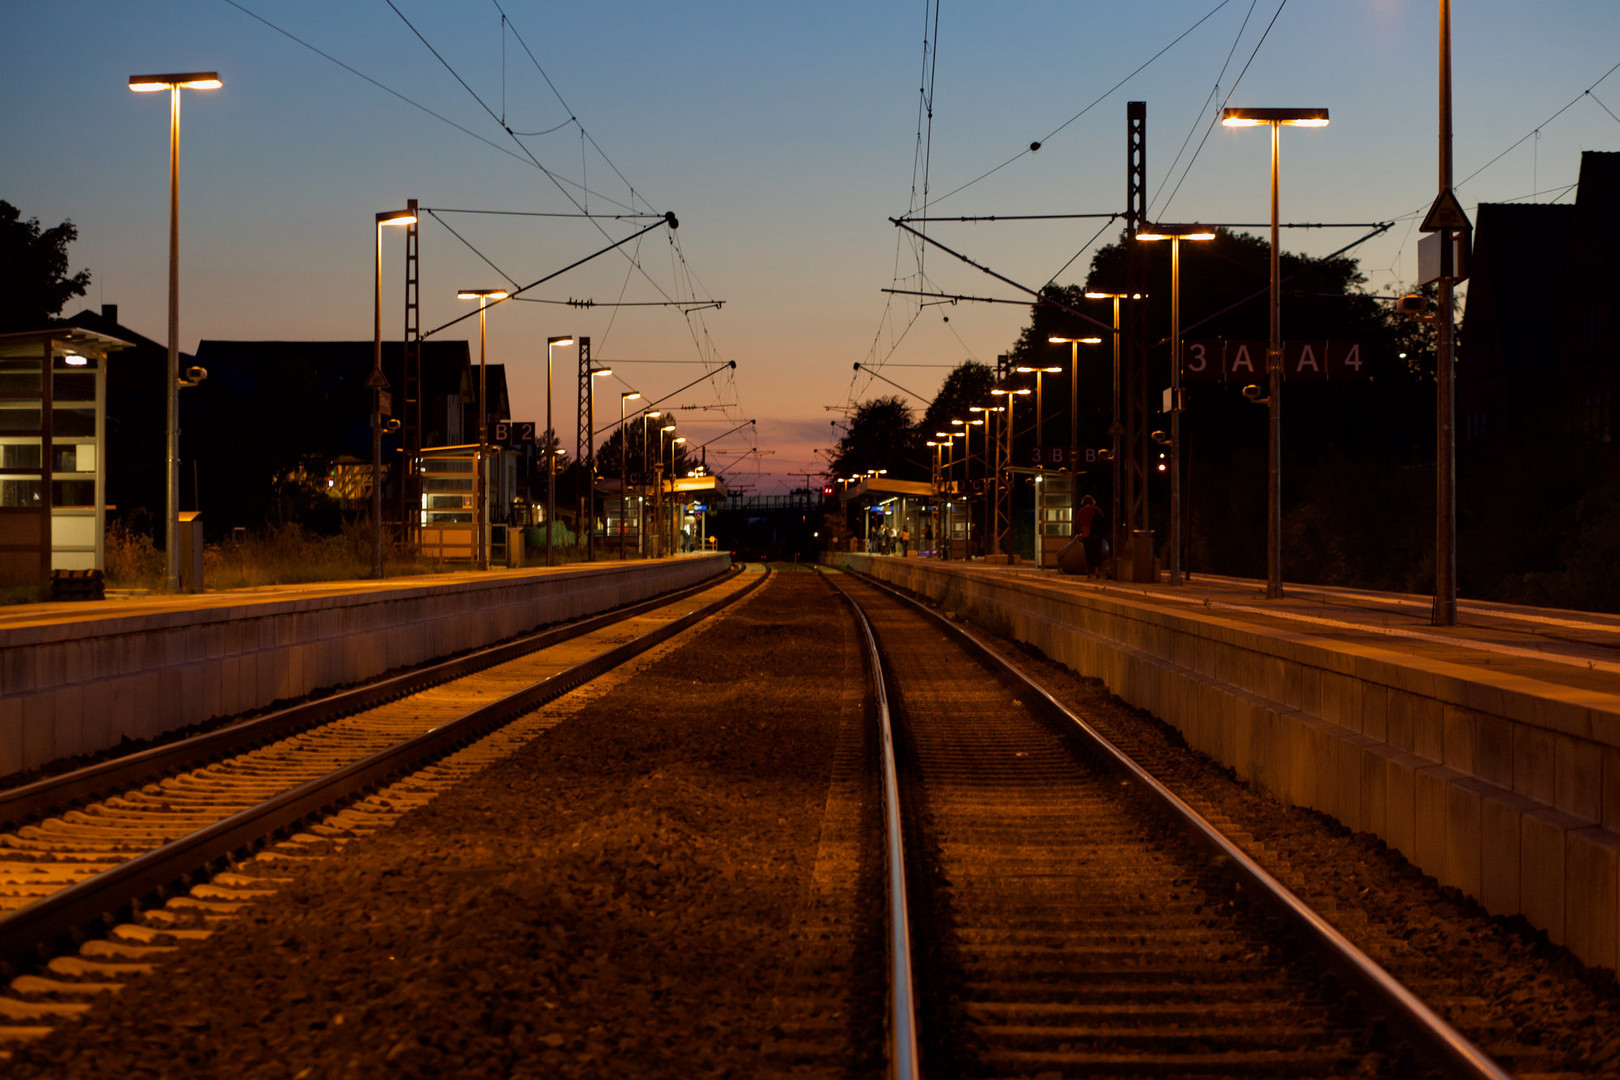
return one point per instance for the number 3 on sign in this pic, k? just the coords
(1197, 358)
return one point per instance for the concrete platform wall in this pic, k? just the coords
(69, 688)
(1505, 787)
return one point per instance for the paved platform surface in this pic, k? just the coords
(121, 603)
(1576, 649)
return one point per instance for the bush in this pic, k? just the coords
(132, 559)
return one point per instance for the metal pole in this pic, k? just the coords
(480, 513)
(1175, 410)
(1445, 547)
(1115, 430)
(171, 523)
(551, 461)
(1074, 431)
(1273, 405)
(376, 423)
(624, 475)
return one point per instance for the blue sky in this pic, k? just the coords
(782, 135)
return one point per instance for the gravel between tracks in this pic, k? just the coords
(1529, 1003)
(620, 898)
(636, 893)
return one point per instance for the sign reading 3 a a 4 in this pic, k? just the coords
(1216, 359)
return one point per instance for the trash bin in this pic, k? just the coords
(1142, 567)
(514, 548)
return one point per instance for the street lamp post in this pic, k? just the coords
(992, 471)
(174, 83)
(1012, 396)
(1175, 234)
(646, 457)
(480, 500)
(378, 384)
(1445, 547)
(674, 530)
(624, 465)
(1276, 118)
(1074, 410)
(551, 457)
(588, 455)
(1116, 431)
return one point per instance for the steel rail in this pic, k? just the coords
(903, 1063)
(1415, 1020)
(40, 927)
(56, 794)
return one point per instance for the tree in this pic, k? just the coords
(33, 269)
(1352, 450)
(882, 435)
(968, 384)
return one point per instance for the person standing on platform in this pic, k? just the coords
(1090, 526)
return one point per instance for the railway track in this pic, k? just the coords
(87, 848)
(1066, 915)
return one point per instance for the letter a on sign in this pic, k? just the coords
(1242, 359)
(1307, 359)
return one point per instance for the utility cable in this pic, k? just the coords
(1034, 146)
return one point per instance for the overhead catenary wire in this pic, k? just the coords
(1104, 96)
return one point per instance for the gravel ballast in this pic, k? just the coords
(679, 879)
(625, 896)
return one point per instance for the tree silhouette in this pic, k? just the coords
(882, 435)
(33, 269)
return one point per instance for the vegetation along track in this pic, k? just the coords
(1071, 917)
(220, 794)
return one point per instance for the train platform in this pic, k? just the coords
(1488, 753)
(80, 677)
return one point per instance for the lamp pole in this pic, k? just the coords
(588, 455)
(1074, 409)
(1115, 430)
(378, 384)
(658, 504)
(551, 456)
(646, 456)
(1175, 234)
(1011, 396)
(674, 530)
(1276, 119)
(480, 505)
(1445, 547)
(174, 83)
(624, 465)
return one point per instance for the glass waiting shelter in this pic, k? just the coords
(53, 394)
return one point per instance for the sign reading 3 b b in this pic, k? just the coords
(1321, 359)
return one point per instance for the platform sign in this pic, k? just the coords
(513, 432)
(1057, 457)
(1305, 360)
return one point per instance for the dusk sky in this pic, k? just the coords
(783, 136)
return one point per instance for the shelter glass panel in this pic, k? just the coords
(73, 386)
(24, 417)
(20, 455)
(16, 492)
(73, 423)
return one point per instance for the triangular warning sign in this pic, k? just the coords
(1446, 213)
(376, 380)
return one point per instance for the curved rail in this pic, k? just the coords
(39, 927)
(903, 1064)
(55, 794)
(1411, 1016)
